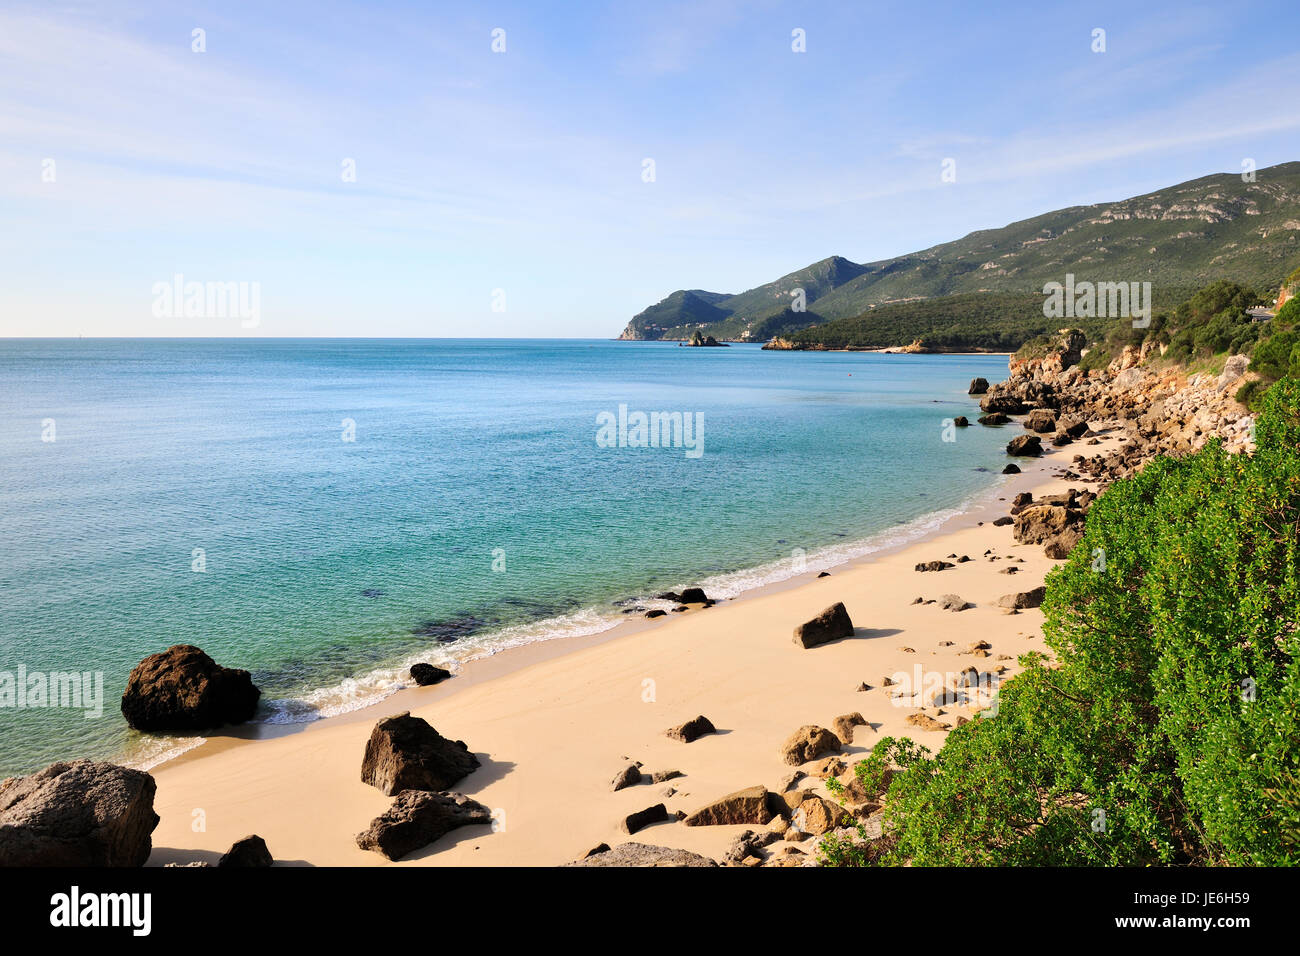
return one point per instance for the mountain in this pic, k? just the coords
(1177, 238)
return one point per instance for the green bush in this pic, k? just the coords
(1166, 730)
(1275, 356)
(1288, 315)
(1251, 393)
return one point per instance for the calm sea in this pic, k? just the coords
(324, 512)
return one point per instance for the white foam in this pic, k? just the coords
(153, 751)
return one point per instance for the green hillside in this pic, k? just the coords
(1180, 237)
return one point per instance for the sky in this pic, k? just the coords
(379, 169)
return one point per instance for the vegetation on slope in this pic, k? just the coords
(1166, 729)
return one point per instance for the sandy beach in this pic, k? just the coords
(552, 724)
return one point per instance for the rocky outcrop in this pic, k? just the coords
(183, 689)
(81, 813)
(406, 753)
(830, 625)
(417, 818)
(641, 854)
(808, 743)
(1159, 410)
(978, 386)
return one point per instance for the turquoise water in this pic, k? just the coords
(474, 508)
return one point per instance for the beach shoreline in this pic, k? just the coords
(518, 709)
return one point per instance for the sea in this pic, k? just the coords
(323, 513)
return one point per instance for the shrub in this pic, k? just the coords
(1167, 728)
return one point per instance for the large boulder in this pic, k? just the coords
(182, 689)
(1023, 599)
(79, 813)
(1037, 523)
(1059, 546)
(426, 674)
(830, 625)
(845, 723)
(978, 386)
(817, 815)
(1041, 420)
(744, 806)
(1025, 446)
(417, 818)
(808, 743)
(641, 854)
(1002, 402)
(406, 753)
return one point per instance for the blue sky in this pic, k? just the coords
(522, 171)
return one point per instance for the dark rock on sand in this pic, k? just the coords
(80, 813)
(406, 753)
(643, 818)
(426, 674)
(656, 612)
(694, 596)
(934, 566)
(1011, 469)
(629, 776)
(830, 625)
(1003, 521)
(1023, 599)
(1025, 446)
(692, 729)
(417, 818)
(251, 851)
(951, 602)
(183, 689)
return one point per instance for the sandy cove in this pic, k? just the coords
(552, 733)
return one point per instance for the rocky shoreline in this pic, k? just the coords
(1158, 409)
